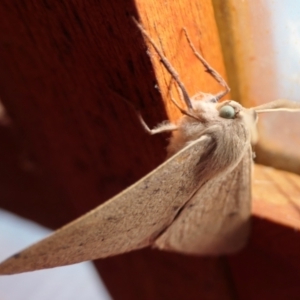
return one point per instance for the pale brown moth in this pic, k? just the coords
(197, 202)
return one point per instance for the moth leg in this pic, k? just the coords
(167, 65)
(209, 69)
(163, 127)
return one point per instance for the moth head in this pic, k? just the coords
(206, 108)
(232, 110)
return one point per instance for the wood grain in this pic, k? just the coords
(276, 196)
(269, 268)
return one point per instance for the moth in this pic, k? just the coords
(197, 202)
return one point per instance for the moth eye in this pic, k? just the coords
(227, 112)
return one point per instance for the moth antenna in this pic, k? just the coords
(210, 70)
(182, 110)
(167, 65)
(278, 105)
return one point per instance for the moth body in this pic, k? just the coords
(230, 137)
(204, 226)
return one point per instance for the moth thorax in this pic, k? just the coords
(189, 130)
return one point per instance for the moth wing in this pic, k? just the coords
(216, 219)
(131, 220)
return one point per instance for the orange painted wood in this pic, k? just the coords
(164, 22)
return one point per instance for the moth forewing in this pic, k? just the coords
(131, 220)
